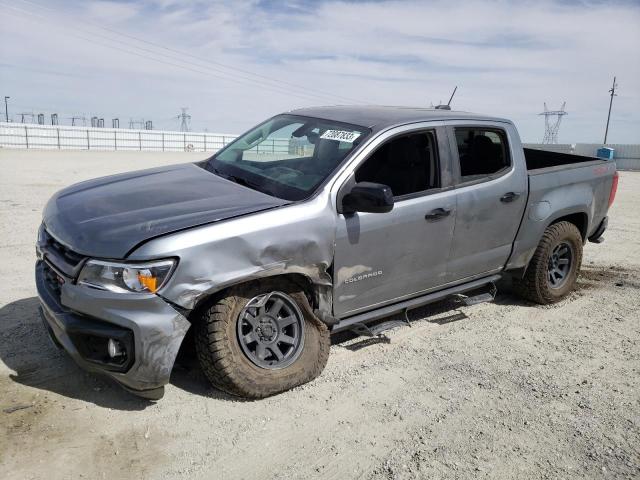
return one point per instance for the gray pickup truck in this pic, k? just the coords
(315, 221)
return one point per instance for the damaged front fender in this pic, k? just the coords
(216, 256)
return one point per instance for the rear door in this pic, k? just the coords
(491, 195)
(383, 257)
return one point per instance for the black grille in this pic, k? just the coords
(52, 280)
(65, 253)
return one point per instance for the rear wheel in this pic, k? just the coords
(261, 339)
(553, 270)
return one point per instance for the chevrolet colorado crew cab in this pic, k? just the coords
(315, 221)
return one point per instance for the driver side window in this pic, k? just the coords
(407, 163)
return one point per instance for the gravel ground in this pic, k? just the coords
(500, 390)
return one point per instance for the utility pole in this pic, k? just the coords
(6, 109)
(613, 94)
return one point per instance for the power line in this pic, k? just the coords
(91, 40)
(275, 84)
(183, 53)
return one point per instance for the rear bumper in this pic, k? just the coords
(82, 319)
(596, 237)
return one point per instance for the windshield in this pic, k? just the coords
(288, 156)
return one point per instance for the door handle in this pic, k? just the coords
(509, 197)
(437, 214)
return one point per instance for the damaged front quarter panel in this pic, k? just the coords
(259, 245)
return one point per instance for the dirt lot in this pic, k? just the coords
(502, 390)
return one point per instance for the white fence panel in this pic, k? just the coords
(54, 137)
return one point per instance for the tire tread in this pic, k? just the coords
(533, 286)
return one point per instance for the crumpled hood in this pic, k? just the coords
(109, 216)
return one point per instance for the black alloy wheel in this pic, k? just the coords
(270, 330)
(559, 264)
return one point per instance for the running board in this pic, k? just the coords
(377, 330)
(363, 318)
(489, 296)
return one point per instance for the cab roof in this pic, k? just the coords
(379, 117)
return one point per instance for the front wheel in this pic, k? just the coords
(553, 270)
(261, 339)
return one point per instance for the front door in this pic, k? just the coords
(385, 257)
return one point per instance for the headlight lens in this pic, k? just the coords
(126, 277)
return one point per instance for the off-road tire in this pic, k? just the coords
(534, 286)
(225, 364)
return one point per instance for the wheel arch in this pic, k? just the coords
(519, 262)
(317, 294)
(580, 219)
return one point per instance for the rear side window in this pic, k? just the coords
(408, 164)
(482, 152)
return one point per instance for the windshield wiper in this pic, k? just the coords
(242, 181)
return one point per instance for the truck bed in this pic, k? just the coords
(537, 159)
(561, 184)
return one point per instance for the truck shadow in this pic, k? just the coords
(25, 348)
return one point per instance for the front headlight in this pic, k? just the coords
(126, 277)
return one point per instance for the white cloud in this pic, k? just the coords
(506, 57)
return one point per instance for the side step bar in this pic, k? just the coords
(489, 296)
(363, 318)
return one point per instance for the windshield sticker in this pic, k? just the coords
(340, 135)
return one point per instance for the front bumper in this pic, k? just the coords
(153, 329)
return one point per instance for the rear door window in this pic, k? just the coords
(482, 152)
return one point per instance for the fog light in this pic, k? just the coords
(115, 348)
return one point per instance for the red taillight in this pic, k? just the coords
(614, 189)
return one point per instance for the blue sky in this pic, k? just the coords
(235, 63)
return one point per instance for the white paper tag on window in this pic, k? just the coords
(340, 135)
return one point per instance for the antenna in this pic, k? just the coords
(551, 127)
(612, 91)
(448, 105)
(451, 98)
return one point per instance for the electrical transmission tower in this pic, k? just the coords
(26, 114)
(551, 125)
(136, 124)
(75, 119)
(184, 118)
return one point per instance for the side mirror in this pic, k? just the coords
(368, 197)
